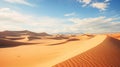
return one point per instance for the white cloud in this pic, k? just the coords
(95, 25)
(20, 2)
(85, 2)
(4, 27)
(86, 20)
(8, 14)
(70, 14)
(106, 0)
(100, 5)
(16, 20)
(95, 4)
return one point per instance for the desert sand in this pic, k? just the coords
(29, 49)
(105, 54)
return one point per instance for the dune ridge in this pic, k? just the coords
(72, 49)
(106, 54)
(98, 50)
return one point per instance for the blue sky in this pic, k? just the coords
(58, 16)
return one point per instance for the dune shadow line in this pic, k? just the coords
(64, 42)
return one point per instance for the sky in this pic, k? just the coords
(60, 16)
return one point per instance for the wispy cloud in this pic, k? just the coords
(85, 2)
(97, 24)
(14, 20)
(106, 0)
(11, 15)
(17, 20)
(70, 14)
(20, 2)
(102, 6)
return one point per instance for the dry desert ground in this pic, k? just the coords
(29, 49)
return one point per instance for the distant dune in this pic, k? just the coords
(3, 34)
(8, 43)
(106, 54)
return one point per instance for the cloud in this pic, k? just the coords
(70, 14)
(14, 20)
(100, 5)
(106, 0)
(19, 2)
(95, 25)
(4, 27)
(85, 2)
(85, 21)
(8, 14)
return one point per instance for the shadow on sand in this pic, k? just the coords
(74, 39)
(9, 43)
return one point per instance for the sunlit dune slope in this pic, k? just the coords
(79, 51)
(106, 54)
(41, 55)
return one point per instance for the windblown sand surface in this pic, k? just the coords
(60, 51)
(106, 54)
(117, 35)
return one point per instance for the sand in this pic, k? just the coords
(106, 54)
(67, 51)
(116, 35)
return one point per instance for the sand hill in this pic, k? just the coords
(116, 35)
(60, 50)
(106, 54)
(8, 43)
(20, 33)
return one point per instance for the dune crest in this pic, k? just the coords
(106, 54)
(72, 49)
(81, 50)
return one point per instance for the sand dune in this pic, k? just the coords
(71, 49)
(85, 36)
(106, 54)
(115, 35)
(13, 38)
(39, 55)
(31, 34)
(60, 51)
(9, 43)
